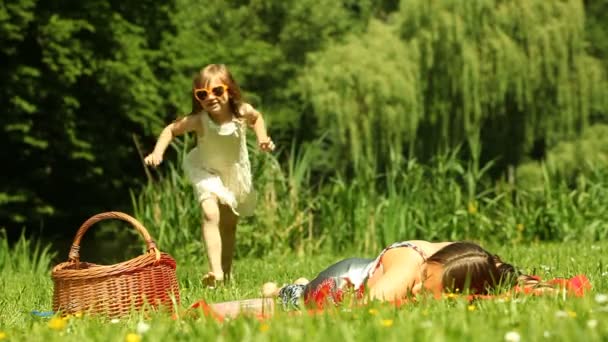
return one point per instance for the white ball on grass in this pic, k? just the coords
(270, 289)
(301, 281)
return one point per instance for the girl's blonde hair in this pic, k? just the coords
(204, 77)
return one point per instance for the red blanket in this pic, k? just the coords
(576, 286)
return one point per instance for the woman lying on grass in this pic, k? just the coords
(402, 271)
(406, 269)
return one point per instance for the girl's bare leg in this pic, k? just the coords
(213, 240)
(228, 222)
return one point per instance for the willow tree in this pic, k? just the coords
(505, 73)
(366, 95)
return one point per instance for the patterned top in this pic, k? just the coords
(408, 244)
(330, 284)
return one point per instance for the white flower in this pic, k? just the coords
(142, 327)
(592, 323)
(512, 336)
(114, 320)
(601, 298)
(561, 314)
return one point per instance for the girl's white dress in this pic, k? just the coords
(219, 165)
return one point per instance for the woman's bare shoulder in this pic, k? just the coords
(430, 247)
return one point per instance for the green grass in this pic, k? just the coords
(303, 224)
(26, 285)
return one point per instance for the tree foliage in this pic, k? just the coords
(86, 87)
(366, 93)
(503, 73)
(81, 81)
(77, 82)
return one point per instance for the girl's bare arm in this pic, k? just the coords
(256, 121)
(186, 124)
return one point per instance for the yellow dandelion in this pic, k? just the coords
(132, 337)
(373, 311)
(572, 314)
(387, 322)
(264, 327)
(520, 227)
(471, 308)
(57, 323)
(451, 295)
(3, 335)
(472, 208)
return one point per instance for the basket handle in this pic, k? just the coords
(74, 255)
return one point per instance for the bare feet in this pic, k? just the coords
(212, 280)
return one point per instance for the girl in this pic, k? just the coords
(218, 166)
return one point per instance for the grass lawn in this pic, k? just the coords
(26, 285)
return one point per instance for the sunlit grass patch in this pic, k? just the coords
(503, 318)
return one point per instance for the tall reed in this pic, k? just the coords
(24, 256)
(447, 199)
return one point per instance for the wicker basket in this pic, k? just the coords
(114, 290)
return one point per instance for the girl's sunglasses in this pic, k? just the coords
(202, 94)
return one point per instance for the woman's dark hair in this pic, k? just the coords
(508, 273)
(467, 267)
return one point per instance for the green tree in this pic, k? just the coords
(77, 81)
(365, 93)
(80, 81)
(497, 74)
(596, 30)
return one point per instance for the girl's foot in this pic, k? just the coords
(212, 280)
